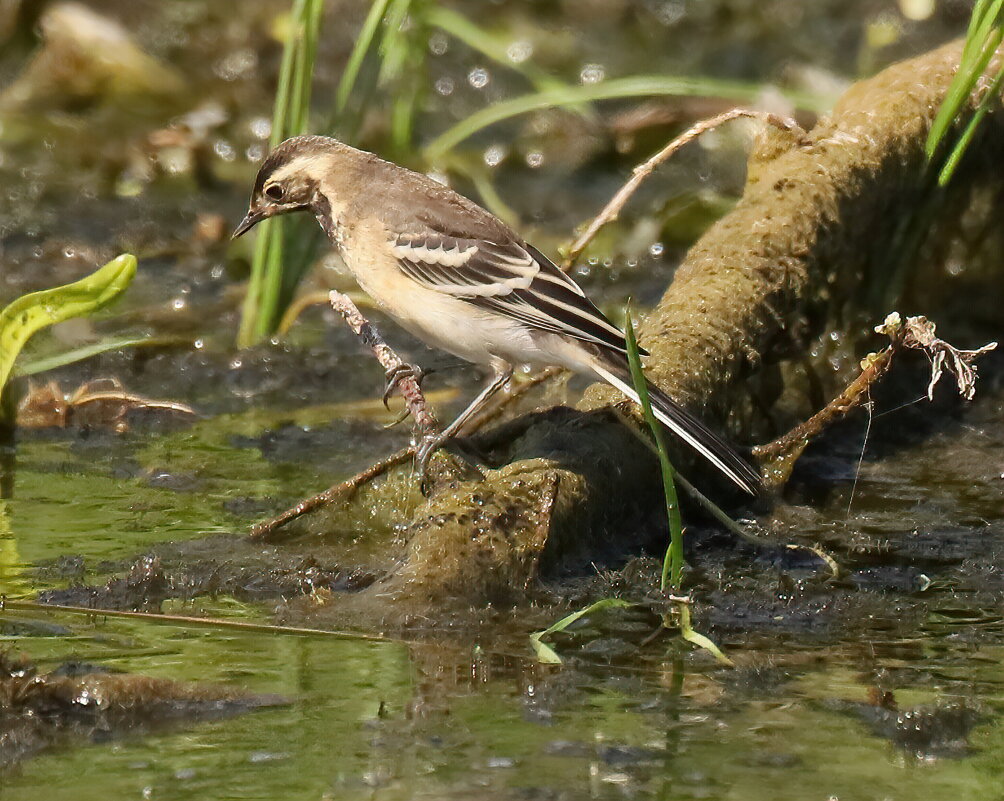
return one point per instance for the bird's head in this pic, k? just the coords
(289, 179)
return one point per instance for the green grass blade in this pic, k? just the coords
(986, 18)
(672, 565)
(696, 638)
(273, 280)
(363, 44)
(30, 313)
(982, 40)
(401, 69)
(637, 86)
(544, 652)
(395, 46)
(285, 264)
(312, 35)
(27, 367)
(284, 86)
(979, 10)
(952, 162)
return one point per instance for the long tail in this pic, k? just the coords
(685, 426)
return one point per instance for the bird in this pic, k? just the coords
(461, 280)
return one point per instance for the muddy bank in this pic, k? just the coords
(806, 250)
(802, 256)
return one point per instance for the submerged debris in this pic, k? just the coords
(927, 732)
(82, 702)
(106, 401)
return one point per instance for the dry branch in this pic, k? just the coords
(341, 491)
(614, 206)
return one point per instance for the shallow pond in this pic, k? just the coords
(883, 684)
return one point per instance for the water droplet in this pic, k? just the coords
(445, 86)
(534, 159)
(519, 51)
(438, 44)
(494, 155)
(592, 73)
(656, 249)
(178, 303)
(236, 64)
(224, 150)
(261, 127)
(478, 77)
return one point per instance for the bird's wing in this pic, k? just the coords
(512, 279)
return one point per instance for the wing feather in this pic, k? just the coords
(509, 278)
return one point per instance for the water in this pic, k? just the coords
(884, 683)
(390, 721)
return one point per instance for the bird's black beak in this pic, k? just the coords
(251, 219)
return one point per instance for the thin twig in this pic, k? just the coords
(778, 457)
(852, 397)
(646, 168)
(265, 529)
(185, 620)
(132, 401)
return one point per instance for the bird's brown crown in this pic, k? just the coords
(292, 149)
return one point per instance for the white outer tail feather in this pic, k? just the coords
(675, 427)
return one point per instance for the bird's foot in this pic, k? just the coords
(394, 377)
(461, 464)
(429, 444)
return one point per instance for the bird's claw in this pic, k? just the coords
(397, 374)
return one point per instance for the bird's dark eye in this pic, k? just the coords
(274, 191)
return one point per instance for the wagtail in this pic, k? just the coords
(459, 279)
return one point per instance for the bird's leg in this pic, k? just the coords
(501, 373)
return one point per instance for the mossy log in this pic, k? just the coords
(820, 221)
